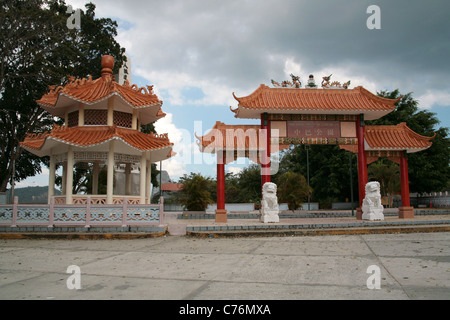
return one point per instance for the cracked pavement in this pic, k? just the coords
(412, 266)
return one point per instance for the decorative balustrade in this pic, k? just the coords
(97, 199)
(87, 214)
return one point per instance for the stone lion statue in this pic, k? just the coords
(269, 203)
(372, 208)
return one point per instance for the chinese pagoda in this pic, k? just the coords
(102, 127)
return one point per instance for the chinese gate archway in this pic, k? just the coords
(331, 115)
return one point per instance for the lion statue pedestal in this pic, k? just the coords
(372, 208)
(269, 204)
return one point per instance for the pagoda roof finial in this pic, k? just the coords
(107, 66)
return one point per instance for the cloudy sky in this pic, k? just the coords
(197, 53)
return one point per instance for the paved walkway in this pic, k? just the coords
(329, 224)
(309, 226)
(412, 266)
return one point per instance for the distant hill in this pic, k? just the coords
(32, 194)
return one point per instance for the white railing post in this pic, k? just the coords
(15, 210)
(161, 210)
(88, 212)
(124, 212)
(51, 213)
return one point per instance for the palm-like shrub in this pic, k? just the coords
(195, 195)
(292, 189)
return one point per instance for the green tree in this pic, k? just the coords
(249, 184)
(195, 195)
(233, 193)
(387, 173)
(329, 171)
(292, 189)
(429, 169)
(37, 50)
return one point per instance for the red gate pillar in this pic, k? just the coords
(405, 211)
(221, 213)
(362, 164)
(265, 159)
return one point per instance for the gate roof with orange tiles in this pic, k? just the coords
(398, 137)
(392, 138)
(313, 101)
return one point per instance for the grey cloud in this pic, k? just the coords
(245, 43)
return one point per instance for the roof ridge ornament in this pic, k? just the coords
(107, 66)
(54, 89)
(334, 85)
(296, 81)
(311, 83)
(288, 84)
(162, 136)
(75, 82)
(142, 90)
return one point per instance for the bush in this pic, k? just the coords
(292, 189)
(195, 195)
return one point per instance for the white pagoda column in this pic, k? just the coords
(110, 174)
(142, 177)
(51, 177)
(148, 181)
(134, 119)
(95, 172)
(69, 175)
(80, 114)
(110, 119)
(64, 178)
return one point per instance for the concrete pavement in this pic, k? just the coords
(412, 266)
(329, 225)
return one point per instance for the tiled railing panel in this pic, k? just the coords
(69, 214)
(6, 214)
(143, 214)
(33, 214)
(86, 214)
(106, 214)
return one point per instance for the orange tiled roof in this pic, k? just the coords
(392, 138)
(91, 136)
(399, 137)
(331, 101)
(90, 91)
(220, 130)
(171, 186)
(234, 137)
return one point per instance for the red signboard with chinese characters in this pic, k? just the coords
(313, 129)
